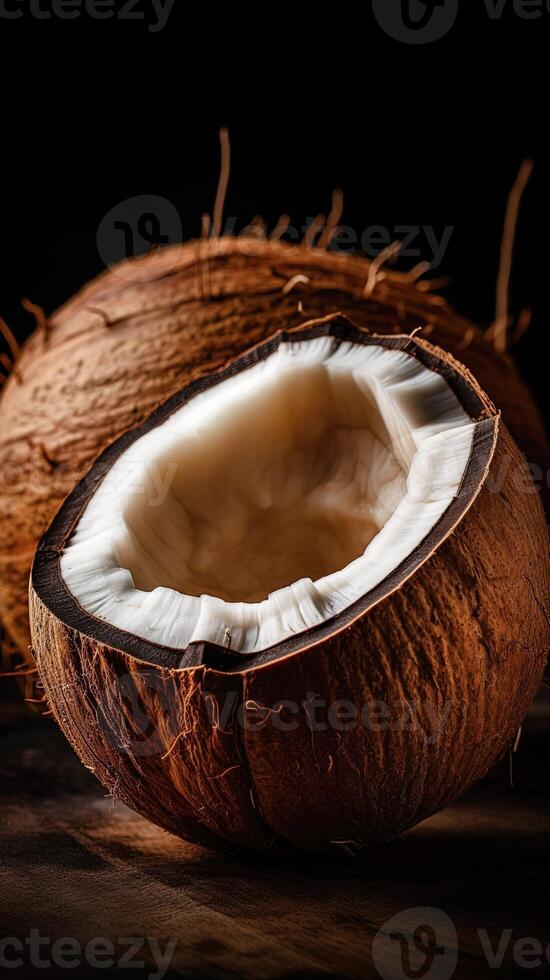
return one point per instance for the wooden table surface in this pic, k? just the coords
(73, 864)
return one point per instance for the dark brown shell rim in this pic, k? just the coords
(50, 587)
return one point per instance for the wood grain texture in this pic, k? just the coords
(73, 863)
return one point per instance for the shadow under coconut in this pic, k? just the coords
(76, 865)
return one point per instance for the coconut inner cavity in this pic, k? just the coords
(290, 482)
(271, 501)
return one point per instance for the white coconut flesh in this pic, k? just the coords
(273, 500)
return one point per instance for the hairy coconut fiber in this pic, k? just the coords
(459, 633)
(139, 332)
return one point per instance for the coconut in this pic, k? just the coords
(304, 604)
(142, 330)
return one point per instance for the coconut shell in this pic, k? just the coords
(234, 750)
(140, 331)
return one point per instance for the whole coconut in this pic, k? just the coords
(141, 330)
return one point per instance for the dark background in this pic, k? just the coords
(99, 112)
(443, 172)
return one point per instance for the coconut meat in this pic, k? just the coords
(273, 500)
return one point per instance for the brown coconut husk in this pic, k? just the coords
(143, 329)
(461, 629)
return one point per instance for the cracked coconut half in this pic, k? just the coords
(335, 517)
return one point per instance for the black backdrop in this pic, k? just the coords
(417, 135)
